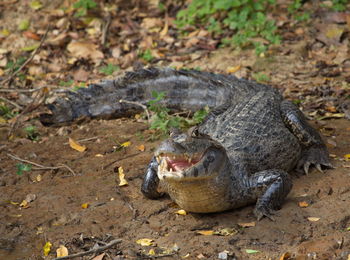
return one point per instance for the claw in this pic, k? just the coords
(263, 212)
(306, 167)
(318, 167)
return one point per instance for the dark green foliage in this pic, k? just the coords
(22, 167)
(83, 6)
(246, 19)
(109, 69)
(146, 55)
(163, 121)
(32, 133)
(6, 112)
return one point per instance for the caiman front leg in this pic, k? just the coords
(150, 183)
(271, 187)
(314, 151)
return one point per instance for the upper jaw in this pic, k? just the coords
(174, 166)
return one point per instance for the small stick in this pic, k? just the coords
(41, 167)
(28, 60)
(105, 30)
(137, 104)
(91, 251)
(21, 90)
(12, 103)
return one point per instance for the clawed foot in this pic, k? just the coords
(317, 156)
(264, 211)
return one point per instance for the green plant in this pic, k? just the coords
(261, 77)
(339, 5)
(83, 6)
(245, 18)
(15, 64)
(66, 83)
(295, 9)
(6, 112)
(32, 133)
(109, 69)
(23, 167)
(81, 85)
(146, 55)
(163, 121)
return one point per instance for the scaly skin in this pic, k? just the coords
(239, 155)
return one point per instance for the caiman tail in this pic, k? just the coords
(184, 90)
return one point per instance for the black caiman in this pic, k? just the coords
(240, 154)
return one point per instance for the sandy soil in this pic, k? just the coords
(57, 216)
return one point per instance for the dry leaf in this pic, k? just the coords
(47, 248)
(31, 35)
(62, 251)
(122, 181)
(205, 232)
(84, 50)
(347, 157)
(30, 197)
(145, 242)
(81, 75)
(141, 148)
(313, 219)
(73, 144)
(233, 69)
(99, 257)
(251, 251)
(126, 144)
(39, 230)
(39, 178)
(226, 232)
(85, 205)
(285, 256)
(151, 252)
(181, 212)
(248, 224)
(98, 155)
(303, 204)
(24, 204)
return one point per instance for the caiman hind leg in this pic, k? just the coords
(150, 182)
(314, 151)
(271, 187)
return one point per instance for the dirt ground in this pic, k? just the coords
(83, 207)
(57, 216)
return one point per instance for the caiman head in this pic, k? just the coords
(195, 172)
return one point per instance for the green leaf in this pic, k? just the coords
(22, 167)
(36, 5)
(31, 47)
(251, 251)
(109, 69)
(23, 25)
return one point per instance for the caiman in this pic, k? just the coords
(240, 154)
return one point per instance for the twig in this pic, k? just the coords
(41, 167)
(8, 2)
(28, 60)
(137, 104)
(105, 30)
(12, 103)
(91, 251)
(21, 90)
